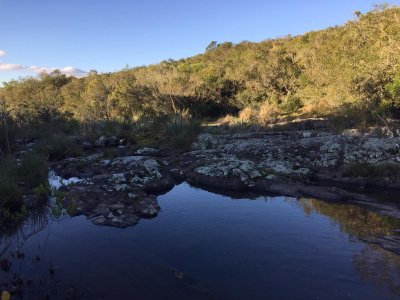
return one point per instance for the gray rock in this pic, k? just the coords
(100, 142)
(147, 151)
(352, 132)
(86, 145)
(112, 141)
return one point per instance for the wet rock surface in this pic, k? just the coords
(310, 162)
(115, 192)
(297, 163)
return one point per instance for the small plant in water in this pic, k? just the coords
(42, 191)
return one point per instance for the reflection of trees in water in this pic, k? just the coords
(373, 263)
(354, 220)
(12, 240)
(379, 266)
(15, 236)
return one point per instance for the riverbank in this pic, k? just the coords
(302, 159)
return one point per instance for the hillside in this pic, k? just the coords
(317, 73)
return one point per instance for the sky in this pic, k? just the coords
(76, 36)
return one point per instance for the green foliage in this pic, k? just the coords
(315, 74)
(11, 202)
(212, 46)
(351, 115)
(180, 133)
(291, 104)
(72, 209)
(42, 191)
(16, 179)
(58, 146)
(33, 170)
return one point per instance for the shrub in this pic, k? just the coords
(11, 202)
(180, 133)
(246, 115)
(33, 170)
(227, 120)
(351, 115)
(59, 146)
(268, 113)
(291, 104)
(11, 194)
(42, 191)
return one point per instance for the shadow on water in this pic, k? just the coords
(206, 246)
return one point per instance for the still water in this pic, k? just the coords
(207, 246)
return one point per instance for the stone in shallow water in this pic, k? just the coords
(123, 220)
(101, 220)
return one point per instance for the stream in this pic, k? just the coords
(204, 245)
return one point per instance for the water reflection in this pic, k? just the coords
(379, 266)
(354, 220)
(203, 243)
(14, 235)
(373, 263)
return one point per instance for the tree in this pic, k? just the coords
(96, 98)
(212, 46)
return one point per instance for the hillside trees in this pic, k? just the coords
(319, 73)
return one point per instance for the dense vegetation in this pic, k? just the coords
(317, 73)
(350, 72)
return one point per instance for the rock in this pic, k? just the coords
(112, 141)
(152, 167)
(30, 145)
(86, 146)
(147, 151)
(118, 178)
(118, 192)
(352, 132)
(205, 141)
(100, 142)
(101, 220)
(126, 160)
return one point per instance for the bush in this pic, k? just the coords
(11, 201)
(33, 170)
(350, 115)
(11, 194)
(291, 104)
(59, 146)
(268, 113)
(180, 133)
(246, 115)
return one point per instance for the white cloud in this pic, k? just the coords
(10, 67)
(72, 71)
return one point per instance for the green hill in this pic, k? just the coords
(348, 70)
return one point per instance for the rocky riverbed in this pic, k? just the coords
(304, 160)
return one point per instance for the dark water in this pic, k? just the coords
(207, 246)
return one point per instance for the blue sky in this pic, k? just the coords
(107, 35)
